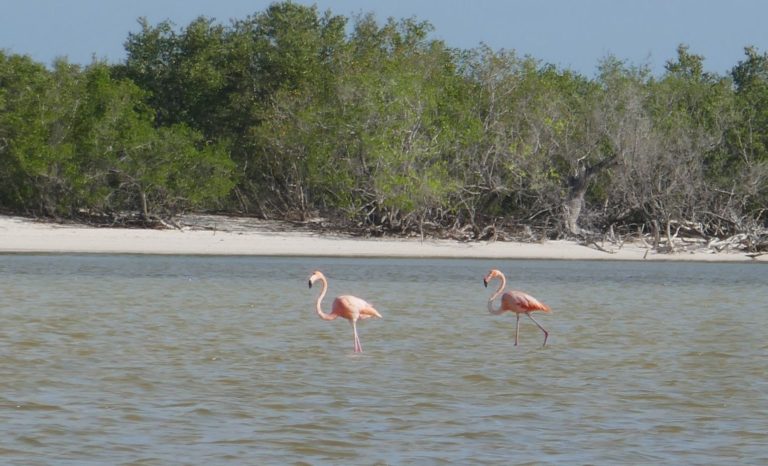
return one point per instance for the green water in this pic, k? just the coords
(221, 360)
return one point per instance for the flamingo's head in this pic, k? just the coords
(316, 275)
(493, 273)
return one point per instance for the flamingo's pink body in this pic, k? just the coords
(515, 301)
(348, 307)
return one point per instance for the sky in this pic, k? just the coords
(572, 34)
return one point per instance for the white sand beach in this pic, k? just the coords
(231, 236)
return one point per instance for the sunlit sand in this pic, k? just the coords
(23, 235)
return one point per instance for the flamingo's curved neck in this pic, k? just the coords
(320, 297)
(497, 310)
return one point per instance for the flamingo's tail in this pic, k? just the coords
(368, 312)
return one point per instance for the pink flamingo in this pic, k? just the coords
(515, 301)
(349, 307)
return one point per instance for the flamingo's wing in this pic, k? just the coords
(349, 304)
(523, 302)
(364, 308)
(368, 312)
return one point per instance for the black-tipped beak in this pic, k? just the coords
(310, 283)
(485, 282)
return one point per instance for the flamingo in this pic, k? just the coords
(515, 301)
(349, 307)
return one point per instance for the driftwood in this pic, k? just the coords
(592, 242)
(679, 237)
(686, 238)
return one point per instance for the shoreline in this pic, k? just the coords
(226, 236)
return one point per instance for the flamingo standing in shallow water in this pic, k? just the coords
(515, 301)
(349, 307)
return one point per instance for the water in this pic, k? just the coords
(154, 360)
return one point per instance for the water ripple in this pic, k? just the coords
(206, 360)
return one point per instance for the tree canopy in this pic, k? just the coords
(294, 113)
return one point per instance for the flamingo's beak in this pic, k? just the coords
(310, 283)
(485, 282)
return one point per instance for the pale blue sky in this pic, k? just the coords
(573, 34)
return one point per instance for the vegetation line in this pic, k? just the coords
(295, 114)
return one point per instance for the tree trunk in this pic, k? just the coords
(144, 209)
(656, 234)
(573, 206)
(670, 242)
(577, 190)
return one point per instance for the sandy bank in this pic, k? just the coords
(251, 237)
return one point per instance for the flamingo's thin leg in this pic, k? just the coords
(517, 327)
(358, 346)
(546, 334)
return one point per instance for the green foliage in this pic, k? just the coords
(36, 148)
(184, 73)
(748, 138)
(294, 112)
(151, 169)
(78, 140)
